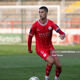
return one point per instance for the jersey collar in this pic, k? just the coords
(41, 23)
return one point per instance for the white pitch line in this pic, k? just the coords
(60, 55)
(57, 55)
(68, 52)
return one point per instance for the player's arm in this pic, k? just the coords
(31, 33)
(58, 30)
(29, 43)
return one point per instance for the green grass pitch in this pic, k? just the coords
(17, 64)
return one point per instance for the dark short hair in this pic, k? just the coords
(44, 7)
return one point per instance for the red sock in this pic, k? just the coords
(58, 71)
(48, 69)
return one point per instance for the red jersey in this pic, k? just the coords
(43, 34)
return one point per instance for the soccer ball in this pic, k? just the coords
(34, 78)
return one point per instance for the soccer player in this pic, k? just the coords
(42, 29)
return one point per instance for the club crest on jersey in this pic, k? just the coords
(50, 28)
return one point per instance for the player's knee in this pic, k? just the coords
(51, 61)
(58, 65)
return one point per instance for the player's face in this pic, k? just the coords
(43, 14)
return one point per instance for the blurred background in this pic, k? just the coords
(17, 17)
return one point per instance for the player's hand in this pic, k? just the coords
(30, 51)
(62, 36)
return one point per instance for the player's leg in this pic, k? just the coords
(57, 64)
(50, 62)
(49, 59)
(58, 68)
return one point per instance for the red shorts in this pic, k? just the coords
(45, 53)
